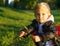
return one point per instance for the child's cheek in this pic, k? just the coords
(45, 17)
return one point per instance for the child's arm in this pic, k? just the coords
(27, 30)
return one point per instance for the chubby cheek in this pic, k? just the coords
(45, 17)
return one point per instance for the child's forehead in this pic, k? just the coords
(42, 9)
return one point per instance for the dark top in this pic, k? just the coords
(47, 27)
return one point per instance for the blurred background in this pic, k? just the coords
(16, 14)
(28, 4)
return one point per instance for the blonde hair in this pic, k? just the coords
(37, 7)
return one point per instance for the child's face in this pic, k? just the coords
(42, 14)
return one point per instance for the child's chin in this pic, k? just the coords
(41, 22)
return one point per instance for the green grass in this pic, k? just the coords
(56, 14)
(11, 23)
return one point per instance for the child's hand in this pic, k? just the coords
(22, 34)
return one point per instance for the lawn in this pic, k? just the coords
(11, 23)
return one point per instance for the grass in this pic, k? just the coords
(11, 23)
(56, 14)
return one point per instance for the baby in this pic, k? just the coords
(42, 25)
